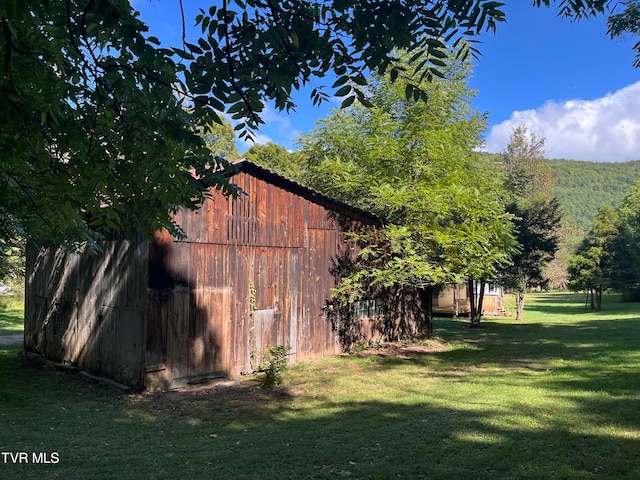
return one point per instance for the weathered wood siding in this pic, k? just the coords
(89, 309)
(253, 273)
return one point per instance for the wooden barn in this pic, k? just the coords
(158, 314)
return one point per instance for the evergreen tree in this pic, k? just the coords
(536, 222)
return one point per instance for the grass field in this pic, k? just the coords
(12, 312)
(556, 396)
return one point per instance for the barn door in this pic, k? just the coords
(277, 326)
(187, 336)
(266, 332)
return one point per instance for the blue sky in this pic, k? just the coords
(565, 80)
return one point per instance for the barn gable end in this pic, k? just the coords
(252, 273)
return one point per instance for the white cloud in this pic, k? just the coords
(280, 125)
(606, 129)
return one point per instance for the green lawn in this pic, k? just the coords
(12, 313)
(556, 396)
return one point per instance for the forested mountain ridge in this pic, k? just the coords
(584, 187)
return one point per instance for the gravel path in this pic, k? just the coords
(13, 339)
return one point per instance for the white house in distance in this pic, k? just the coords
(453, 300)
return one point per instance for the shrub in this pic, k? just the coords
(274, 363)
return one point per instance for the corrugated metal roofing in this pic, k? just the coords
(308, 193)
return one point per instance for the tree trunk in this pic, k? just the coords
(472, 301)
(481, 286)
(599, 298)
(586, 300)
(519, 305)
(426, 299)
(475, 303)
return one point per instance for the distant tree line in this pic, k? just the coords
(583, 188)
(608, 258)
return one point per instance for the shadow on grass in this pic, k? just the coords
(605, 344)
(247, 432)
(529, 400)
(566, 304)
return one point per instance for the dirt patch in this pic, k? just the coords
(405, 349)
(238, 393)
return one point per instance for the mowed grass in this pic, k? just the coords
(556, 396)
(12, 312)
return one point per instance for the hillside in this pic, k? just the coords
(584, 187)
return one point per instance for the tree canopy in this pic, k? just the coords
(609, 256)
(626, 249)
(220, 139)
(276, 158)
(101, 123)
(415, 165)
(583, 188)
(627, 22)
(592, 266)
(536, 213)
(527, 175)
(94, 138)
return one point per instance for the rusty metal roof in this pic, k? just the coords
(310, 194)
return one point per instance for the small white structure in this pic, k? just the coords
(453, 300)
